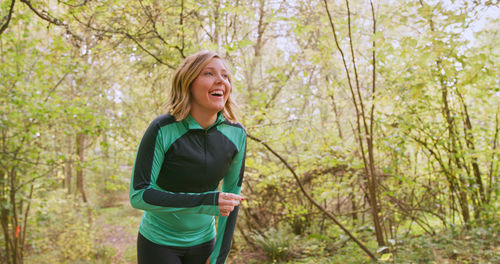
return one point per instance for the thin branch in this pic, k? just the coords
(43, 14)
(469, 139)
(25, 222)
(308, 196)
(47, 17)
(200, 20)
(353, 58)
(55, 87)
(9, 16)
(334, 31)
(374, 64)
(181, 23)
(493, 164)
(148, 52)
(279, 88)
(155, 29)
(128, 35)
(351, 89)
(78, 5)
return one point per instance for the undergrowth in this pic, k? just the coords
(454, 245)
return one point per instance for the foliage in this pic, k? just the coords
(276, 244)
(410, 110)
(477, 245)
(61, 231)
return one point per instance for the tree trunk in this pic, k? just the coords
(453, 145)
(80, 147)
(363, 133)
(14, 248)
(68, 168)
(216, 24)
(493, 165)
(4, 216)
(354, 207)
(261, 27)
(469, 139)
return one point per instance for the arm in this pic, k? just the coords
(231, 184)
(145, 195)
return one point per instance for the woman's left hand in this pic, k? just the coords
(227, 202)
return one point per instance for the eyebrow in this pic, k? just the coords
(212, 68)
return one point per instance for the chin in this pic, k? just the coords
(218, 108)
(213, 110)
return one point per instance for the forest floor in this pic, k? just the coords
(117, 226)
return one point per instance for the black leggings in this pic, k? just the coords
(152, 253)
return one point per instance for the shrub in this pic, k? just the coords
(276, 243)
(60, 230)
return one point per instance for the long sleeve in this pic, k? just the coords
(144, 194)
(231, 184)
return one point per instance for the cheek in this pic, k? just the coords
(197, 97)
(226, 96)
(197, 89)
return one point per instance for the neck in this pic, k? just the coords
(204, 119)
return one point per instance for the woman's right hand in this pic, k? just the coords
(227, 202)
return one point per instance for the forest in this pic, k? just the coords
(372, 125)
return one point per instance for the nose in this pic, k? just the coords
(219, 78)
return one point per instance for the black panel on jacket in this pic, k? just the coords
(142, 174)
(166, 199)
(181, 172)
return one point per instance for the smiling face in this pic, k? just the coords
(210, 90)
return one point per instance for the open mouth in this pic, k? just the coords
(217, 93)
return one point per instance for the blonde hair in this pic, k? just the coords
(179, 101)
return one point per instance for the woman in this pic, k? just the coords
(181, 159)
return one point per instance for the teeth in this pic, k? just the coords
(217, 93)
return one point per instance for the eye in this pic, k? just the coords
(225, 76)
(208, 73)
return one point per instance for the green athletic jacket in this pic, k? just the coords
(175, 178)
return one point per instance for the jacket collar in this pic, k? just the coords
(192, 124)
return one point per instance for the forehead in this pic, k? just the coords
(216, 63)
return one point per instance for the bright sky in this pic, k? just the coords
(480, 21)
